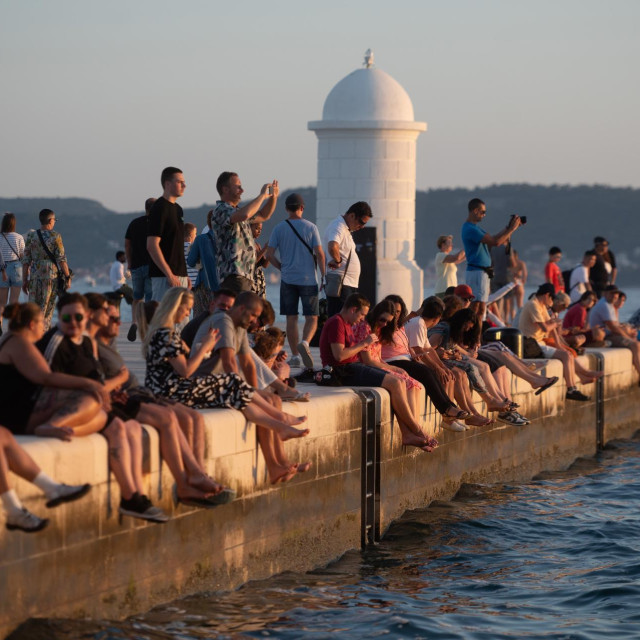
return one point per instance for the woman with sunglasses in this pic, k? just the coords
(67, 349)
(33, 399)
(169, 371)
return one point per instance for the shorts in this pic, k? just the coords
(159, 286)
(356, 374)
(141, 283)
(621, 342)
(14, 275)
(290, 294)
(479, 283)
(547, 351)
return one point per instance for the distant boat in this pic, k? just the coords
(91, 281)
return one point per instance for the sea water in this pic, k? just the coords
(557, 557)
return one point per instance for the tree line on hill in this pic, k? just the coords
(566, 216)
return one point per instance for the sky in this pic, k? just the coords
(97, 97)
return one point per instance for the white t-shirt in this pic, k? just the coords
(446, 273)
(116, 275)
(579, 279)
(417, 333)
(338, 231)
(600, 313)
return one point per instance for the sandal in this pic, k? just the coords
(546, 385)
(459, 415)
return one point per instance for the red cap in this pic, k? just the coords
(463, 291)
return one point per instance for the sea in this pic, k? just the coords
(557, 557)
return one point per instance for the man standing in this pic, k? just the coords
(135, 248)
(236, 252)
(118, 277)
(604, 270)
(165, 234)
(580, 280)
(341, 252)
(476, 243)
(298, 244)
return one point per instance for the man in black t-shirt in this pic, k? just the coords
(167, 267)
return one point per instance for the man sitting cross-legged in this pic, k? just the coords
(339, 349)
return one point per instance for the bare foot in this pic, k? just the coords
(282, 474)
(190, 493)
(303, 467)
(478, 421)
(50, 431)
(499, 407)
(293, 420)
(205, 484)
(423, 442)
(586, 380)
(286, 432)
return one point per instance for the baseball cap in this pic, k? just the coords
(463, 291)
(293, 201)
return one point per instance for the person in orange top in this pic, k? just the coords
(552, 271)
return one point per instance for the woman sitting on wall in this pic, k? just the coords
(33, 399)
(169, 371)
(14, 458)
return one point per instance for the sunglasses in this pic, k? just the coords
(116, 320)
(68, 317)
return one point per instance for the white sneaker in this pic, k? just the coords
(25, 521)
(67, 493)
(305, 354)
(295, 361)
(454, 426)
(511, 418)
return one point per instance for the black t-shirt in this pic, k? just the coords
(65, 356)
(598, 274)
(137, 236)
(165, 222)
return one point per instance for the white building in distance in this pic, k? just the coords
(367, 151)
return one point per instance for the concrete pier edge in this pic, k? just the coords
(88, 563)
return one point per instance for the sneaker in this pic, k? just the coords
(453, 426)
(295, 361)
(132, 333)
(224, 497)
(523, 418)
(574, 394)
(141, 507)
(25, 521)
(67, 493)
(305, 354)
(511, 418)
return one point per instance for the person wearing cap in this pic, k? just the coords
(341, 252)
(536, 323)
(604, 271)
(477, 243)
(300, 255)
(604, 314)
(231, 224)
(446, 265)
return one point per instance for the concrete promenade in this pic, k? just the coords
(88, 563)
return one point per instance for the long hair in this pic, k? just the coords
(452, 303)
(457, 322)
(403, 307)
(143, 314)
(164, 316)
(8, 223)
(385, 306)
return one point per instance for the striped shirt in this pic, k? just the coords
(191, 271)
(11, 243)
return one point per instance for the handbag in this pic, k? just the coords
(327, 377)
(61, 279)
(334, 280)
(531, 348)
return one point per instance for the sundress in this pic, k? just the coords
(224, 390)
(360, 332)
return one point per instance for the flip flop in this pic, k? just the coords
(549, 383)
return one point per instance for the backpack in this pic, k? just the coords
(566, 276)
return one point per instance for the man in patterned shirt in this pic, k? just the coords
(236, 248)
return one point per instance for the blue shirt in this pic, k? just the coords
(298, 265)
(477, 252)
(203, 250)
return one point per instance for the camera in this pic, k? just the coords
(523, 219)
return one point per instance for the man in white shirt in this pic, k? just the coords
(604, 314)
(341, 252)
(118, 278)
(579, 281)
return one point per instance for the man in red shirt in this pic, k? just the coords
(552, 271)
(339, 349)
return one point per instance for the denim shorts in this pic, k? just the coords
(161, 285)
(356, 374)
(14, 275)
(479, 283)
(291, 293)
(141, 283)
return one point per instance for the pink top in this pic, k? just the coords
(399, 349)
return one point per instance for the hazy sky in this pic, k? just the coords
(97, 97)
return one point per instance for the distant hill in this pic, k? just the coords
(567, 216)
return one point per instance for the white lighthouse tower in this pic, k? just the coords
(367, 151)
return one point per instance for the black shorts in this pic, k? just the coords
(356, 374)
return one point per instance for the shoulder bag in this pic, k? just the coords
(334, 280)
(61, 280)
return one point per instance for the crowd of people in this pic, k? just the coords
(209, 341)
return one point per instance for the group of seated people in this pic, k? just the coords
(71, 382)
